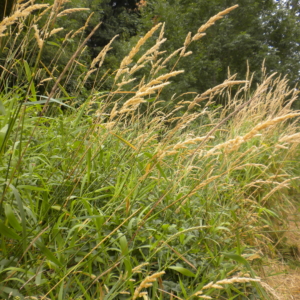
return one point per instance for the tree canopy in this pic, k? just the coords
(257, 31)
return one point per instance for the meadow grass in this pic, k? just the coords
(128, 195)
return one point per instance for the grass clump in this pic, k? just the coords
(128, 195)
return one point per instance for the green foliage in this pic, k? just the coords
(255, 32)
(113, 198)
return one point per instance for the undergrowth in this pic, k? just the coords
(128, 195)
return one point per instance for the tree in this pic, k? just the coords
(254, 32)
(118, 17)
(283, 38)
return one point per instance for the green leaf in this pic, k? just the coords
(29, 78)
(49, 254)
(48, 101)
(12, 220)
(183, 289)
(237, 258)
(11, 292)
(3, 132)
(38, 278)
(150, 100)
(124, 249)
(123, 140)
(2, 109)
(161, 171)
(22, 214)
(123, 244)
(8, 232)
(32, 188)
(183, 271)
(101, 93)
(27, 70)
(243, 261)
(53, 44)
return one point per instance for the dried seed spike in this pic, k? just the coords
(70, 11)
(219, 87)
(40, 42)
(56, 30)
(162, 31)
(228, 10)
(268, 123)
(215, 18)
(151, 50)
(137, 268)
(198, 36)
(18, 14)
(128, 59)
(88, 20)
(100, 57)
(147, 282)
(293, 138)
(188, 53)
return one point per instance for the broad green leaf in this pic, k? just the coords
(8, 232)
(237, 258)
(3, 133)
(183, 289)
(101, 93)
(150, 100)
(22, 214)
(123, 140)
(123, 244)
(29, 78)
(38, 278)
(61, 291)
(12, 220)
(2, 108)
(124, 249)
(183, 271)
(83, 287)
(161, 171)
(51, 100)
(13, 269)
(53, 44)
(49, 254)
(27, 70)
(14, 279)
(32, 188)
(10, 292)
(83, 183)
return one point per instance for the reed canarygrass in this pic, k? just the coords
(21, 13)
(219, 285)
(125, 195)
(70, 11)
(99, 59)
(128, 59)
(146, 283)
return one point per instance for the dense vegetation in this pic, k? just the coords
(259, 31)
(115, 187)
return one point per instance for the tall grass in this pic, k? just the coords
(127, 195)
